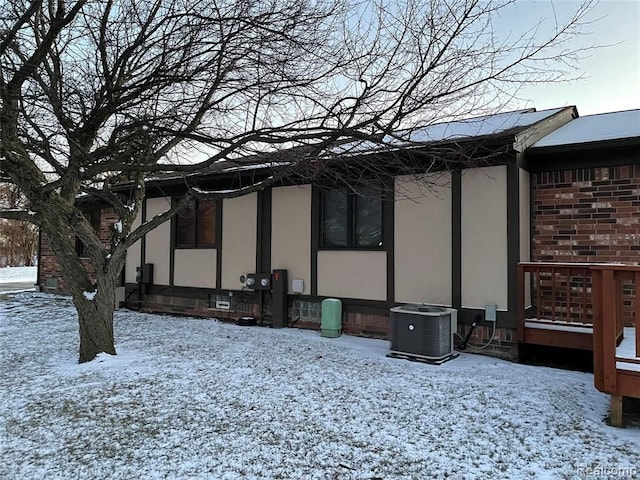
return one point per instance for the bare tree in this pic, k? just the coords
(95, 93)
(18, 239)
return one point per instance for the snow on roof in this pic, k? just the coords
(481, 126)
(459, 129)
(595, 128)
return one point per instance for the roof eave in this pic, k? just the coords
(584, 146)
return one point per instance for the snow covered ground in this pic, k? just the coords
(17, 279)
(198, 399)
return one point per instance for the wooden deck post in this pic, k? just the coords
(615, 417)
(598, 354)
(520, 304)
(609, 321)
(637, 312)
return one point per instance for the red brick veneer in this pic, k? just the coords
(587, 215)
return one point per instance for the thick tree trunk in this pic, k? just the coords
(95, 318)
(91, 283)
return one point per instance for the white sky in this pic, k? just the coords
(612, 73)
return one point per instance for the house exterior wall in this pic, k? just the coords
(352, 274)
(422, 235)
(484, 237)
(239, 234)
(291, 232)
(587, 215)
(195, 267)
(158, 241)
(134, 255)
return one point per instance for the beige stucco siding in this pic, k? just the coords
(158, 241)
(134, 254)
(291, 232)
(484, 237)
(422, 229)
(352, 274)
(195, 267)
(239, 217)
(525, 228)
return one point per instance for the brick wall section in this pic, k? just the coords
(587, 215)
(49, 267)
(503, 344)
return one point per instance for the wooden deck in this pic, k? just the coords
(588, 307)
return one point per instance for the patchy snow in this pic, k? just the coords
(193, 398)
(212, 192)
(561, 326)
(118, 226)
(241, 189)
(595, 128)
(18, 274)
(256, 166)
(89, 295)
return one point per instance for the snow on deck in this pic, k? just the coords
(595, 128)
(544, 324)
(195, 398)
(627, 351)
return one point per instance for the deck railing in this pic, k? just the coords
(616, 298)
(604, 296)
(557, 292)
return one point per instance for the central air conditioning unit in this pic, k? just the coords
(423, 332)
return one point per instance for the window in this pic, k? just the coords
(351, 220)
(93, 218)
(196, 225)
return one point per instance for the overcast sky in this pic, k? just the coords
(612, 73)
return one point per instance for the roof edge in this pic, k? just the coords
(540, 129)
(582, 146)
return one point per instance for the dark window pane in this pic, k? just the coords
(207, 224)
(94, 219)
(79, 247)
(335, 218)
(186, 226)
(368, 220)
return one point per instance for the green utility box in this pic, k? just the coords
(331, 325)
